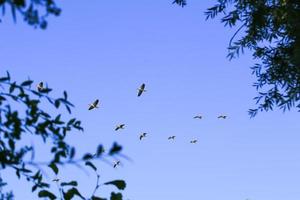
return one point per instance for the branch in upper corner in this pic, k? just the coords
(181, 3)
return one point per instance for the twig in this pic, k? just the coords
(236, 34)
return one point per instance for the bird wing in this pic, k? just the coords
(96, 102)
(91, 107)
(141, 137)
(140, 92)
(117, 128)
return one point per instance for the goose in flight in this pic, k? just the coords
(171, 137)
(222, 117)
(141, 89)
(121, 126)
(94, 104)
(117, 163)
(198, 117)
(143, 135)
(193, 141)
(40, 86)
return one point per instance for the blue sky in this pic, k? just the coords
(106, 49)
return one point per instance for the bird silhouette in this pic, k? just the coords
(198, 117)
(193, 141)
(55, 180)
(222, 117)
(40, 86)
(120, 126)
(94, 104)
(171, 137)
(141, 89)
(143, 135)
(117, 163)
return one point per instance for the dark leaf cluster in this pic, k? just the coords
(34, 12)
(271, 31)
(22, 116)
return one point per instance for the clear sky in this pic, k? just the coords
(106, 49)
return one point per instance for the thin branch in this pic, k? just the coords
(97, 185)
(236, 34)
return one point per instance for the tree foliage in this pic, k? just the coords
(22, 116)
(34, 12)
(270, 29)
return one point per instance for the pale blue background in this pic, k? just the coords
(106, 49)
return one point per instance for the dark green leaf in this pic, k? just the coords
(46, 193)
(56, 103)
(87, 156)
(12, 87)
(2, 79)
(115, 196)
(72, 153)
(27, 83)
(11, 144)
(34, 188)
(71, 183)
(115, 149)
(97, 198)
(54, 167)
(71, 121)
(46, 90)
(100, 150)
(120, 184)
(88, 163)
(71, 193)
(181, 3)
(65, 95)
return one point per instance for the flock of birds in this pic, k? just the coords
(141, 90)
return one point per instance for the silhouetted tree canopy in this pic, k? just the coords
(21, 117)
(271, 31)
(34, 12)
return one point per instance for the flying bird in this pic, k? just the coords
(141, 89)
(143, 135)
(117, 163)
(55, 180)
(222, 117)
(40, 86)
(193, 141)
(198, 117)
(94, 104)
(171, 137)
(121, 126)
